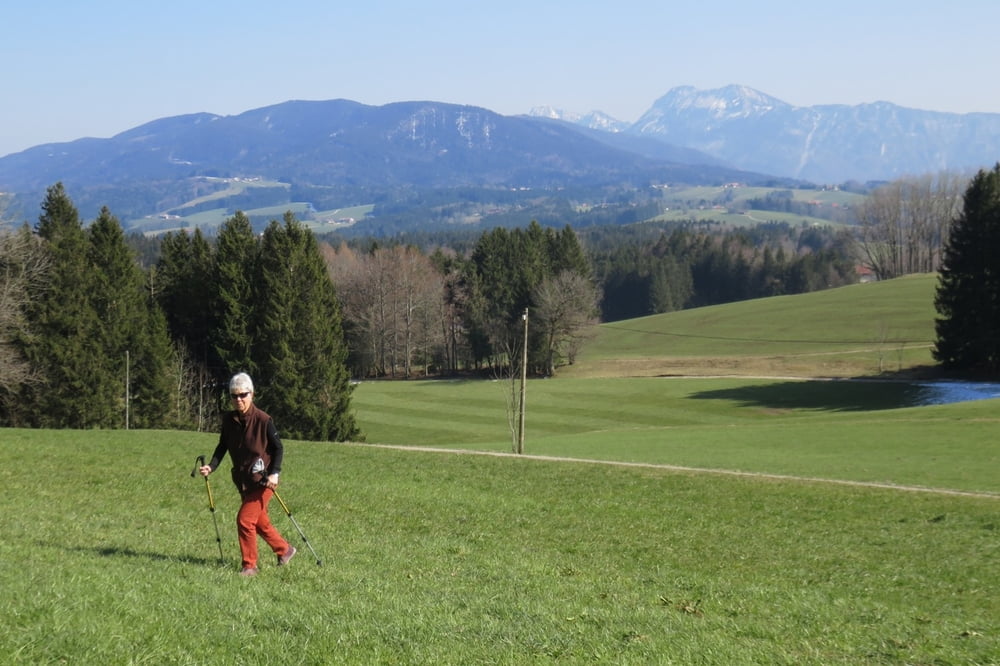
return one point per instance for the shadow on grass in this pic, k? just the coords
(127, 552)
(827, 395)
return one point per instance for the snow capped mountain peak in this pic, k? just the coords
(553, 113)
(751, 130)
(593, 120)
(733, 101)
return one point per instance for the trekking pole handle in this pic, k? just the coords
(199, 462)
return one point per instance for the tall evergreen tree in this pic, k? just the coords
(151, 371)
(135, 347)
(300, 342)
(235, 266)
(185, 281)
(184, 286)
(66, 345)
(566, 254)
(112, 295)
(968, 292)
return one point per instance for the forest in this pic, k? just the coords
(99, 328)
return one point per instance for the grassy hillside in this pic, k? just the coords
(817, 429)
(745, 521)
(737, 218)
(713, 194)
(727, 204)
(109, 556)
(862, 329)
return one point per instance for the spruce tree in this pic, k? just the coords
(300, 342)
(566, 253)
(968, 292)
(112, 285)
(150, 371)
(185, 281)
(135, 346)
(236, 259)
(65, 347)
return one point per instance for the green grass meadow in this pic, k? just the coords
(109, 556)
(859, 330)
(835, 430)
(652, 520)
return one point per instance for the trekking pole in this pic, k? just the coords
(284, 506)
(199, 462)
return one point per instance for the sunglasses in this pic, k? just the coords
(239, 396)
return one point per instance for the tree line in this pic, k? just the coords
(903, 225)
(691, 265)
(409, 310)
(89, 337)
(97, 342)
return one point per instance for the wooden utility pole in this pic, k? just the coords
(524, 380)
(128, 397)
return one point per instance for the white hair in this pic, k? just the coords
(241, 382)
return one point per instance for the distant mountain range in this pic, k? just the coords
(827, 144)
(337, 153)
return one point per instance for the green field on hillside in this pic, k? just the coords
(709, 194)
(727, 204)
(816, 429)
(738, 218)
(179, 217)
(233, 187)
(320, 222)
(859, 330)
(109, 555)
(654, 518)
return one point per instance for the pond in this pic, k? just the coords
(942, 393)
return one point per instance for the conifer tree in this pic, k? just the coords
(111, 297)
(185, 277)
(504, 273)
(65, 347)
(150, 371)
(300, 342)
(968, 292)
(184, 287)
(233, 288)
(135, 347)
(566, 253)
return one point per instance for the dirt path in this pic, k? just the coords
(693, 470)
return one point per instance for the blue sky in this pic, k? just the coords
(73, 69)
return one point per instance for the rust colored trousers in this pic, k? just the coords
(251, 520)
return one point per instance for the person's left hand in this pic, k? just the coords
(272, 481)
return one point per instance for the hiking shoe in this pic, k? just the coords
(248, 571)
(286, 558)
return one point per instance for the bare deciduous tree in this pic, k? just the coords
(904, 224)
(419, 293)
(24, 267)
(392, 299)
(193, 403)
(566, 307)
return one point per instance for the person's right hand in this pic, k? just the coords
(205, 470)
